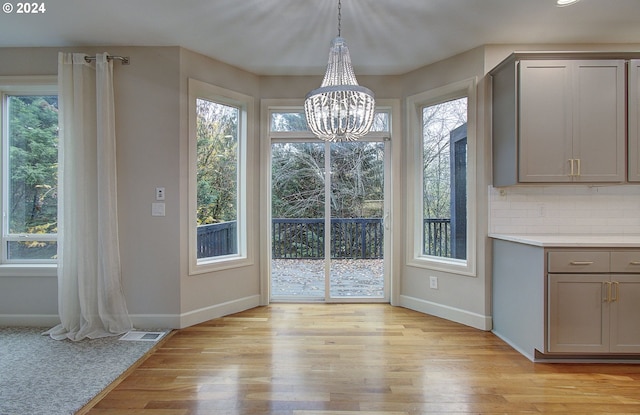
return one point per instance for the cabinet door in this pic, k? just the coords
(634, 120)
(625, 314)
(599, 120)
(578, 313)
(545, 116)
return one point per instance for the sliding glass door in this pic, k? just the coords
(328, 214)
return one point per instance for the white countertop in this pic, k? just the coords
(574, 240)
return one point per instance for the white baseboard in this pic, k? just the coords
(145, 321)
(29, 320)
(457, 315)
(528, 354)
(155, 321)
(218, 310)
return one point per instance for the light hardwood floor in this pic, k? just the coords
(338, 359)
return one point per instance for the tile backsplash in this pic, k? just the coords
(565, 209)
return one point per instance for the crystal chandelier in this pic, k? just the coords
(340, 110)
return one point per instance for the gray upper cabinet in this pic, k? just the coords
(558, 120)
(634, 120)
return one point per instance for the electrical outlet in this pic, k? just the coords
(502, 194)
(433, 283)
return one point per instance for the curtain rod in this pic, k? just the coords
(124, 59)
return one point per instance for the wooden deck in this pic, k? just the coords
(338, 359)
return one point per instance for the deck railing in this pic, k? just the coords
(437, 237)
(356, 238)
(217, 239)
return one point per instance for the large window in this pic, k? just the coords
(218, 130)
(444, 189)
(29, 172)
(441, 178)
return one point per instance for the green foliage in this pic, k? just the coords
(33, 164)
(217, 171)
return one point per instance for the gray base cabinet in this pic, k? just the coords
(588, 301)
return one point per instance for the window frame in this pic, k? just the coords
(245, 104)
(415, 104)
(11, 86)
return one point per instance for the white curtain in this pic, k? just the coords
(91, 301)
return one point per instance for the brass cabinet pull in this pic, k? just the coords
(581, 262)
(607, 298)
(574, 163)
(571, 164)
(616, 285)
(634, 263)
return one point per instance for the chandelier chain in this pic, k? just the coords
(339, 15)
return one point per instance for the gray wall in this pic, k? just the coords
(152, 131)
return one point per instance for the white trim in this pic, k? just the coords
(392, 174)
(15, 86)
(199, 89)
(414, 255)
(218, 310)
(145, 321)
(29, 320)
(28, 270)
(523, 352)
(37, 83)
(456, 315)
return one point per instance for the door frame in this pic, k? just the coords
(392, 196)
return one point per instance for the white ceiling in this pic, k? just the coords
(292, 37)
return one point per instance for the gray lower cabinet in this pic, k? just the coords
(593, 307)
(552, 303)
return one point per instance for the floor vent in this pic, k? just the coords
(143, 336)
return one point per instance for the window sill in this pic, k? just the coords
(28, 270)
(220, 265)
(459, 267)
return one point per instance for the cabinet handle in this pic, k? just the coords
(571, 164)
(578, 162)
(634, 263)
(607, 298)
(616, 285)
(581, 262)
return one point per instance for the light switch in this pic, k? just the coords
(157, 209)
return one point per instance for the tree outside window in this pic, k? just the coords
(31, 178)
(217, 175)
(444, 178)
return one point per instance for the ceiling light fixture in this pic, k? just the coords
(564, 3)
(340, 110)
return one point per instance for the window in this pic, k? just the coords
(443, 207)
(444, 189)
(218, 134)
(293, 120)
(29, 171)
